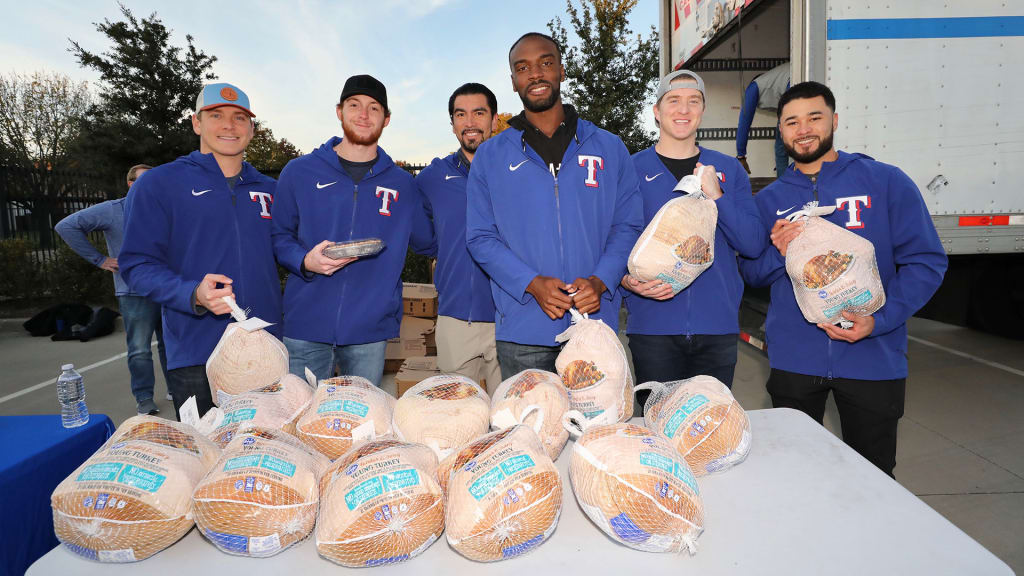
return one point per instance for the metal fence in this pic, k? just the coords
(33, 200)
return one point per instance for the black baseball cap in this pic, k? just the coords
(368, 86)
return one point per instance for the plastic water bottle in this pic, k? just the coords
(71, 394)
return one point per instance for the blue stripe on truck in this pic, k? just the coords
(885, 28)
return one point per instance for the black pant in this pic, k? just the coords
(869, 410)
(189, 381)
(514, 358)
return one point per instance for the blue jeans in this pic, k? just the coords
(366, 360)
(668, 358)
(514, 358)
(141, 320)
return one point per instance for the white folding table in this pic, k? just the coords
(802, 503)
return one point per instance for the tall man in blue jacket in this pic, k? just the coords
(465, 322)
(198, 230)
(141, 316)
(553, 213)
(864, 366)
(338, 314)
(695, 331)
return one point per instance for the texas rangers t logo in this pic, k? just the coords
(593, 163)
(265, 199)
(855, 203)
(386, 195)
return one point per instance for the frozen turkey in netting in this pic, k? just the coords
(246, 358)
(504, 495)
(133, 497)
(262, 495)
(275, 407)
(832, 269)
(679, 243)
(443, 412)
(636, 487)
(594, 370)
(512, 402)
(380, 505)
(345, 411)
(701, 419)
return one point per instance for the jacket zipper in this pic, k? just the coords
(238, 237)
(469, 321)
(828, 355)
(351, 231)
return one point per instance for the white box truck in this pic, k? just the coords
(935, 88)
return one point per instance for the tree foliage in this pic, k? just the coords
(148, 88)
(503, 118)
(40, 117)
(267, 153)
(611, 73)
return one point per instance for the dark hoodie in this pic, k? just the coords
(880, 203)
(317, 200)
(182, 222)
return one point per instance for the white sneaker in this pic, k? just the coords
(169, 397)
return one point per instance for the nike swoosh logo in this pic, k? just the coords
(513, 168)
(781, 212)
(320, 186)
(449, 176)
(651, 178)
(201, 192)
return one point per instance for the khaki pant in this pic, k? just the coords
(468, 349)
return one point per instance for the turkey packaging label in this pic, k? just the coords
(380, 505)
(246, 357)
(832, 269)
(443, 412)
(679, 243)
(535, 398)
(504, 496)
(274, 407)
(346, 410)
(636, 488)
(262, 495)
(133, 497)
(594, 370)
(702, 420)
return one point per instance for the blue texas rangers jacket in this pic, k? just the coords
(463, 289)
(522, 221)
(182, 222)
(880, 203)
(317, 200)
(711, 303)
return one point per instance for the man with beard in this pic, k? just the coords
(339, 313)
(465, 322)
(695, 331)
(553, 213)
(197, 230)
(864, 366)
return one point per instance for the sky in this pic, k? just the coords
(293, 57)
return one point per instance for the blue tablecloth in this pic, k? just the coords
(36, 454)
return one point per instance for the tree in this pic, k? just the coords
(611, 74)
(40, 116)
(268, 154)
(148, 89)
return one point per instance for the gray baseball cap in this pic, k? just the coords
(682, 79)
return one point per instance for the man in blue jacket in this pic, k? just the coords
(695, 331)
(198, 230)
(339, 314)
(865, 365)
(553, 213)
(141, 316)
(465, 322)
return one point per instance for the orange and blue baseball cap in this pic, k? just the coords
(222, 94)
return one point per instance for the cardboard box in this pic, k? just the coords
(410, 342)
(419, 300)
(415, 370)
